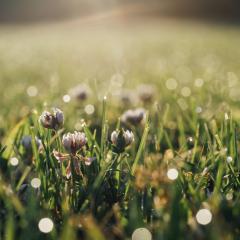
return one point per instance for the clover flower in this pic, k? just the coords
(27, 142)
(80, 92)
(73, 142)
(121, 139)
(52, 120)
(146, 92)
(127, 96)
(134, 116)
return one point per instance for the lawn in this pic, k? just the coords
(110, 128)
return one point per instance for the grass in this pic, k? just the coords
(192, 125)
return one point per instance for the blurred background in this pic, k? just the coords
(35, 10)
(49, 46)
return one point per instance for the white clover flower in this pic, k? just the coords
(80, 92)
(52, 120)
(114, 136)
(129, 137)
(58, 115)
(122, 139)
(46, 119)
(73, 142)
(146, 92)
(134, 116)
(127, 96)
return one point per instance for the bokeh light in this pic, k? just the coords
(45, 225)
(66, 98)
(229, 159)
(14, 161)
(199, 82)
(89, 109)
(141, 234)
(32, 91)
(186, 91)
(172, 174)
(36, 183)
(204, 216)
(171, 84)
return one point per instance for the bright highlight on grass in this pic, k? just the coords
(229, 196)
(45, 225)
(141, 234)
(172, 174)
(14, 161)
(204, 216)
(229, 159)
(36, 183)
(66, 98)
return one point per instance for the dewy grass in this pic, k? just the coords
(104, 173)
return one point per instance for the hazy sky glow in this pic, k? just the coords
(27, 10)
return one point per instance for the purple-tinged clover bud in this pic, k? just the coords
(52, 120)
(59, 117)
(134, 117)
(88, 160)
(46, 119)
(27, 142)
(73, 142)
(121, 139)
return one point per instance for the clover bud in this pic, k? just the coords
(121, 139)
(128, 137)
(46, 119)
(59, 117)
(114, 137)
(27, 142)
(73, 142)
(52, 120)
(134, 116)
(81, 92)
(127, 97)
(146, 92)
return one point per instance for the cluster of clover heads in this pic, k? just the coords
(75, 143)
